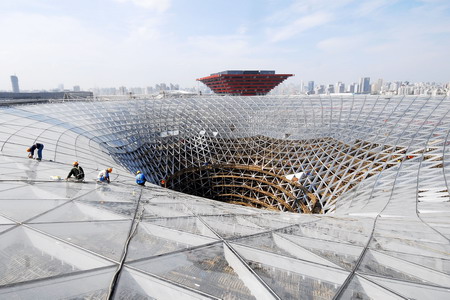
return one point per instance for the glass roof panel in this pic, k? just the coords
(151, 240)
(360, 288)
(136, 285)
(412, 290)
(79, 285)
(104, 238)
(74, 211)
(27, 255)
(205, 269)
(186, 224)
(22, 210)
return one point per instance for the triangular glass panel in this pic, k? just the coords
(412, 290)
(293, 278)
(370, 265)
(125, 208)
(151, 240)
(74, 211)
(380, 264)
(338, 254)
(81, 285)
(205, 269)
(437, 263)
(104, 238)
(229, 226)
(28, 255)
(166, 210)
(22, 210)
(111, 193)
(135, 285)
(360, 288)
(186, 224)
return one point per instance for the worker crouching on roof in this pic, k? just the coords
(140, 178)
(103, 176)
(77, 172)
(39, 148)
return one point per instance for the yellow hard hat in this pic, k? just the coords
(75, 163)
(138, 172)
(109, 170)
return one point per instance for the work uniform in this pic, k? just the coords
(103, 176)
(140, 179)
(77, 172)
(39, 148)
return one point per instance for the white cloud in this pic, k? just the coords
(299, 25)
(220, 46)
(369, 7)
(157, 5)
(339, 44)
(148, 29)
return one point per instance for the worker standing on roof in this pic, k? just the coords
(103, 176)
(77, 172)
(39, 148)
(140, 178)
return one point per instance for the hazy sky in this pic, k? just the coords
(109, 43)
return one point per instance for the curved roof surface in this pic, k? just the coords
(386, 236)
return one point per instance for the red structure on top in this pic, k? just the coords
(243, 83)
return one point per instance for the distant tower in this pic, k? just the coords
(15, 84)
(364, 85)
(310, 86)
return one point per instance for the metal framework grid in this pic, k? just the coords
(377, 168)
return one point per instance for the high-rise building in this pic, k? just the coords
(76, 88)
(364, 85)
(320, 89)
(310, 86)
(351, 88)
(330, 89)
(340, 87)
(15, 84)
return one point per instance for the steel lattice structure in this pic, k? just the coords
(371, 203)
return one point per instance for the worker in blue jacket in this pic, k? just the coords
(140, 178)
(39, 148)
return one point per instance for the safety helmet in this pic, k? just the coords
(75, 163)
(109, 170)
(29, 150)
(138, 172)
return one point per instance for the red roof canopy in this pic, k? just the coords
(243, 84)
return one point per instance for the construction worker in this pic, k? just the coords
(77, 172)
(39, 148)
(103, 176)
(140, 178)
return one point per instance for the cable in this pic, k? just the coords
(134, 224)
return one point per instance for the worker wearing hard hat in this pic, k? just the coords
(103, 176)
(140, 178)
(39, 148)
(77, 172)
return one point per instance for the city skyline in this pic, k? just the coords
(303, 84)
(143, 42)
